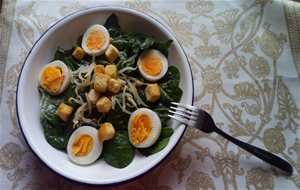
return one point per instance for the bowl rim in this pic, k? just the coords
(123, 8)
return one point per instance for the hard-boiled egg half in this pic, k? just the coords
(95, 40)
(144, 128)
(84, 146)
(152, 65)
(55, 77)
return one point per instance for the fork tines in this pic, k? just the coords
(183, 113)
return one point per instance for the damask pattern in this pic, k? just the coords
(244, 72)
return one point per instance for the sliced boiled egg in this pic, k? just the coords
(152, 65)
(95, 40)
(144, 128)
(84, 146)
(55, 77)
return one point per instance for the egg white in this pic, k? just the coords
(101, 50)
(65, 71)
(95, 151)
(163, 59)
(156, 127)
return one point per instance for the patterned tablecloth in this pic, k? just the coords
(245, 58)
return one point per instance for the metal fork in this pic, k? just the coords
(203, 121)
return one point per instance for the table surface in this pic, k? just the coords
(246, 69)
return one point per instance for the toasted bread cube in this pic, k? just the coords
(93, 96)
(99, 69)
(111, 53)
(111, 70)
(106, 132)
(103, 105)
(64, 111)
(114, 86)
(152, 92)
(78, 53)
(100, 83)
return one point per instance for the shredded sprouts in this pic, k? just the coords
(127, 99)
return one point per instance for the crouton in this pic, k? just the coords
(93, 96)
(152, 92)
(111, 70)
(99, 69)
(114, 86)
(106, 132)
(103, 105)
(100, 83)
(64, 111)
(78, 53)
(111, 53)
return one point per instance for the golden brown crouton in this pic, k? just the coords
(106, 132)
(64, 111)
(103, 105)
(152, 92)
(99, 69)
(93, 96)
(78, 53)
(114, 86)
(111, 70)
(111, 53)
(100, 83)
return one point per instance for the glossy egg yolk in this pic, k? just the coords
(95, 40)
(140, 129)
(151, 64)
(52, 78)
(82, 145)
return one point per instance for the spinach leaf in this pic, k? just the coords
(162, 112)
(168, 86)
(171, 78)
(133, 43)
(118, 152)
(49, 107)
(160, 144)
(162, 46)
(118, 118)
(66, 57)
(166, 132)
(56, 135)
(49, 104)
(112, 25)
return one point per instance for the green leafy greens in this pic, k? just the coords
(118, 152)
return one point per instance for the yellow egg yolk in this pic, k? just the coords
(82, 145)
(140, 128)
(52, 79)
(152, 64)
(95, 40)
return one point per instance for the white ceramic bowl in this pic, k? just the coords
(64, 34)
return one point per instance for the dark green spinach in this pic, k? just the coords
(66, 57)
(169, 87)
(160, 144)
(118, 118)
(56, 135)
(112, 25)
(162, 46)
(118, 152)
(56, 131)
(49, 104)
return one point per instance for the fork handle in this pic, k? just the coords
(260, 153)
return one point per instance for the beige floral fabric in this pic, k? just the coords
(245, 61)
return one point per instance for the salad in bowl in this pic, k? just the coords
(94, 93)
